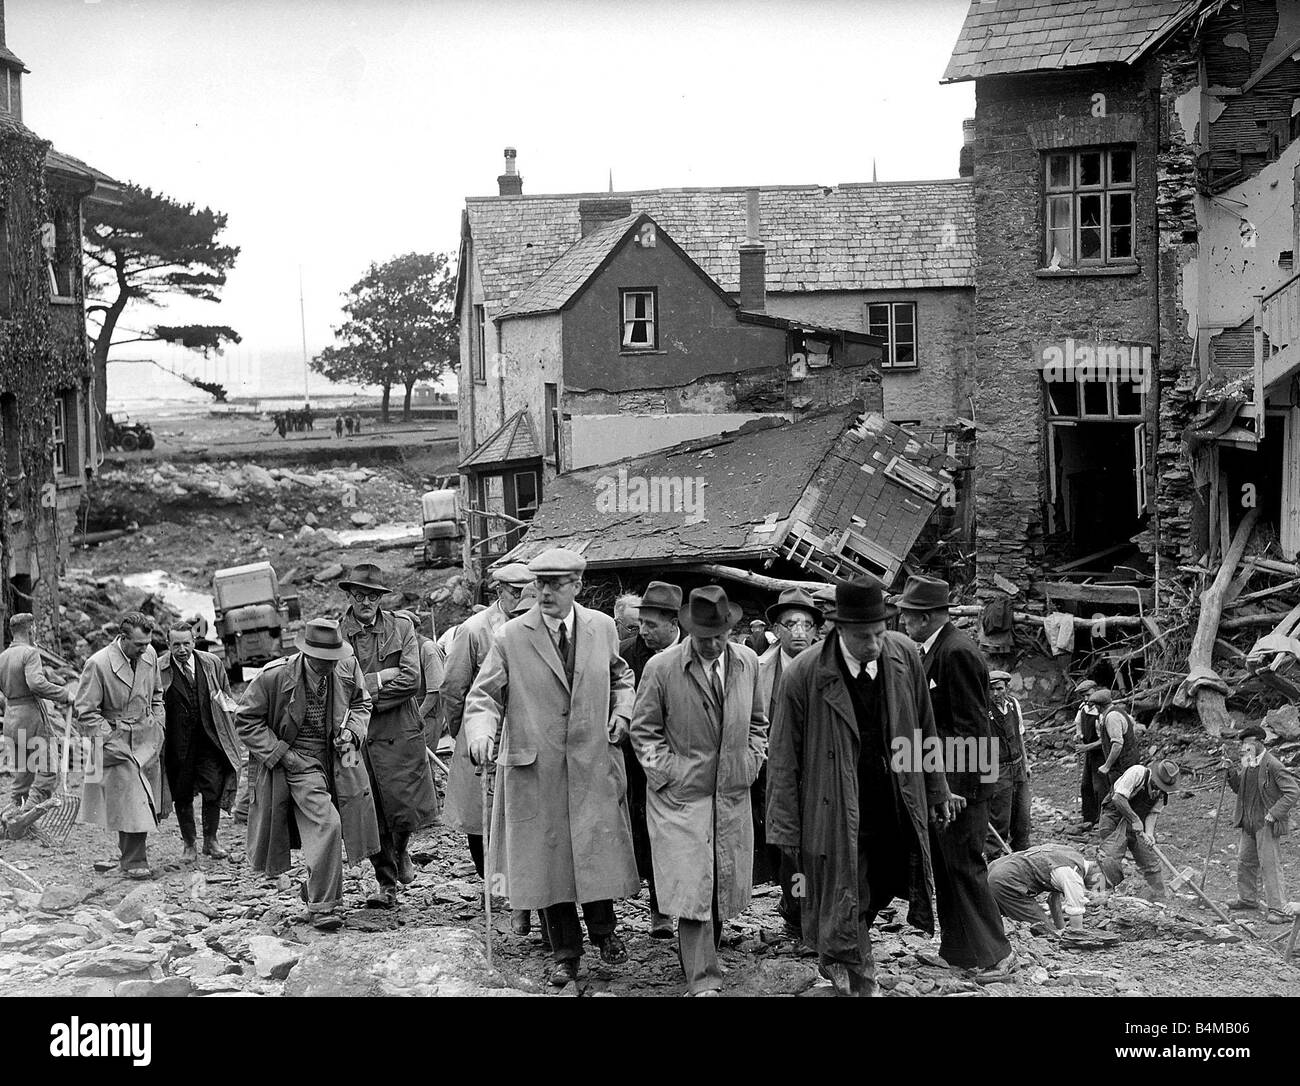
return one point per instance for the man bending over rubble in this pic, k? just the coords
(1132, 807)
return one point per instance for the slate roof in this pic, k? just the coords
(57, 160)
(9, 60)
(1005, 36)
(555, 286)
(513, 440)
(867, 236)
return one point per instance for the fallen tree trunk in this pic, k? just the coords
(758, 580)
(1211, 705)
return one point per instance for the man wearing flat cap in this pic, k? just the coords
(1266, 792)
(1009, 804)
(1088, 747)
(1115, 749)
(303, 719)
(795, 619)
(560, 834)
(388, 654)
(849, 794)
(1128, 822)
(700, 733)
(469, 649)
(658, 630)
(958, 680)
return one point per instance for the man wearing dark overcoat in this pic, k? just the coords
(201, 752)
(850, 795)
(700, 732)
(304, 719)
(658, 631)
(389, 656)
(958, 679)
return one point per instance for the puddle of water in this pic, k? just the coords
(378, 534)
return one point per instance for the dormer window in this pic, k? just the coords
(640, 323)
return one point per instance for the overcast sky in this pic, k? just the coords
(337, 132)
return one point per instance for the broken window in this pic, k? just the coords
(66, 439)
(1088, 207)
(896, 323)
(525, 494)
(640, 329)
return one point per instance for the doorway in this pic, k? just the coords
(1098, 482)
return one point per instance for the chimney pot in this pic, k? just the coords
(593, 214)
(966, 157)
(510, 183)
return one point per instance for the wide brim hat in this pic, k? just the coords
(1164, 774)
(708, 612)
(322, 639)
(367, 576)
(795, 598)
(925, 594)
(861, 603)
(661, 596)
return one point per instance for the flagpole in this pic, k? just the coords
(306, 369)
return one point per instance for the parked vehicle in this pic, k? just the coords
(256, 623)
(126, 435)
(440, 512)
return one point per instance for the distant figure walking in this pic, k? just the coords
(358, 424)
(349, 423)
(338, 425)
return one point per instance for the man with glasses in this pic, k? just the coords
(795, 619)
(469, 648)
(389, 656)
(560, 836)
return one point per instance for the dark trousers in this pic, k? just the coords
(1016, 890)
(205, 774)
(561, 924)
(969, 922)
(770, 864)
(1009, 815)
(640, 830)
(1093, 786)
(476, 851)
(133, 847)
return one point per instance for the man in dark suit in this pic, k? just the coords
(658, 630)
(958, 679)
(201, 752)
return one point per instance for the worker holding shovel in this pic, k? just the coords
(1266, 791)
(1128, 822)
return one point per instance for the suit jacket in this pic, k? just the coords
(273, 709)
(212, 711)
(637, 654)
(1280, 789)
(560, 827)
(771, 669)
(958, 678)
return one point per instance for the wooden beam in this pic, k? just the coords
(756, 580)
(1099, 593)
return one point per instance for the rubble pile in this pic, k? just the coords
(91, 608)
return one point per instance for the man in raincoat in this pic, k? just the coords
(700, 733)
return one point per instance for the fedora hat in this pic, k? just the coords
(924, 594)
(708, 612)
(795, 598)
(661, 596)
(1164, 774)
(861, 602)
(322, 639)
(366, 576)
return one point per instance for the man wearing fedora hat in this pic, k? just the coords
(1128, 822)
(1266, 793)
(849, 795)
(469, 649)
(958, 679)
(388, 654)
(700, 733)
(560, 834)
(658, 630)
(795, 619)
(303, 719)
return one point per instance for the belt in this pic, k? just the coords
(29, 700)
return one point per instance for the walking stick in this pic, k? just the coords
(487, 873)
(1214, 832)
(1005, 847)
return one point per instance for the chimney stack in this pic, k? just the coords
(510, 183)
(593, 214)
(753, 259)
(966, 160)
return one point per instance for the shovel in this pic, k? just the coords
(1187, 877)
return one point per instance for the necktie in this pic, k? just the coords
(717, 685)
(564, 643)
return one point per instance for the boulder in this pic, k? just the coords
(273, 958)
(1283, 722)
(311, 520)
(362, 520)
(142, 903)
(775, 976)
(275, 524)
(58, 898)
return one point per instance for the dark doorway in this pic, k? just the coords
(1098, 482)
(1255, 475)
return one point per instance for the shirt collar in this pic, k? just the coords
(553, 624)
(855, 665)
(1250, 761)
(928, 643)
(706, 666)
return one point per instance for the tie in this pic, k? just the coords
(189, 670)
(564, 644)
(717, 685)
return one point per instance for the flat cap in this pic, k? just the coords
(999, 676)
(513, 573)
(556, 562)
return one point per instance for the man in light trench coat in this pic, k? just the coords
(120, 701)
(560, 834)
(700, 732)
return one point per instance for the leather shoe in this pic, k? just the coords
(405, 870)
(138, 873)
(1277, 916)
(1240, 906)
(612, 950)
(998, 972)
(521, 921)
(565, 972)
(213, 849)
(661, 927)
(838, 974)
(189, 854)
(330, 921)
(383, 898)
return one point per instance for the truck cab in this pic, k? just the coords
(255, 622)
(440, 513)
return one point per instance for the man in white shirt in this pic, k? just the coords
(1128, 822)
(1060, 871)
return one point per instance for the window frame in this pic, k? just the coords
(59, 434)
(1073, 191)
(550, 424)
(890, 361)
(624, 294)
(478, 348)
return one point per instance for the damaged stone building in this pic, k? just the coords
(595, 327)
(1136, 170)
(46, 412)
